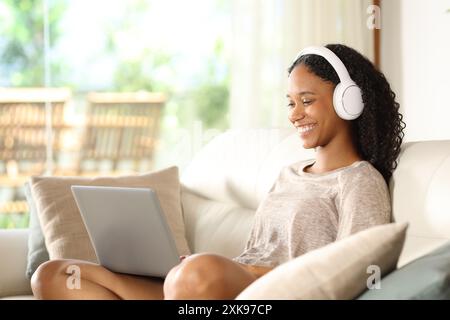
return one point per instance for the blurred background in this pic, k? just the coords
(97, 87)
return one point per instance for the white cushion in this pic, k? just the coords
(336, 271)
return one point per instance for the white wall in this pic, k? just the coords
(415, 42)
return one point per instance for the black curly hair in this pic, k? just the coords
(378, 131)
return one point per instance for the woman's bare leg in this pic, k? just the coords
(199, 276)
(207, 276)
(56, 279)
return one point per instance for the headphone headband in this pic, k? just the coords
(331, 57)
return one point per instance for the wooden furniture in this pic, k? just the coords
(121, 129)
(23, 138)
(23, 135)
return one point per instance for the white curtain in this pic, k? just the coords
(267, 35)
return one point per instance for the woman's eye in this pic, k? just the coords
(290, 105)
(306, 102)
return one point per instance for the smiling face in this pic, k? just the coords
(311, 111)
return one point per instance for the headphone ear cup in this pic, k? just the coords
(347, 101)
(337, 101)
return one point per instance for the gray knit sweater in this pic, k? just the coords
(305, 211)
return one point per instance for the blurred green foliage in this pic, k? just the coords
(136, 74)
(22, 40)
(22, 60)
(16, 220)
(207, 97)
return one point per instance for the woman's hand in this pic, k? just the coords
(258, 271)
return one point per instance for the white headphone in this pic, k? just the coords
(347, 96)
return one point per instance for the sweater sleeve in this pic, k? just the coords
(364, 202)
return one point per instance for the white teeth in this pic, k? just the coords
(305, 128)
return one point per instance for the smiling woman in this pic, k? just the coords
(344, 189)
(310, 205)
(316, 108)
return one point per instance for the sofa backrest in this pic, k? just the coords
(239, 166)
(228, 178)
(420, 195)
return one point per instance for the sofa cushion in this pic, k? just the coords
(13, 253)
(420, 186)
(340, 270)
(239, 166)
(37, 251)
(215, 226)
(27, 297)
(63, 228)
(425, 278)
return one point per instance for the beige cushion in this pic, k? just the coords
(336, 271)
(63, 228)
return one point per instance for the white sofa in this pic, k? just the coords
(227, 179)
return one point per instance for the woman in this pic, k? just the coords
(312, 203)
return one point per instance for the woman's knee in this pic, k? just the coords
(49, 276)
(199, 276)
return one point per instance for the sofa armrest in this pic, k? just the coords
(13, 257)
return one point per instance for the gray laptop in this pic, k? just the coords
(128, 229)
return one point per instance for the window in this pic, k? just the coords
(113, 87)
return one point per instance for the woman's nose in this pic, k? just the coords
(296, 113)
